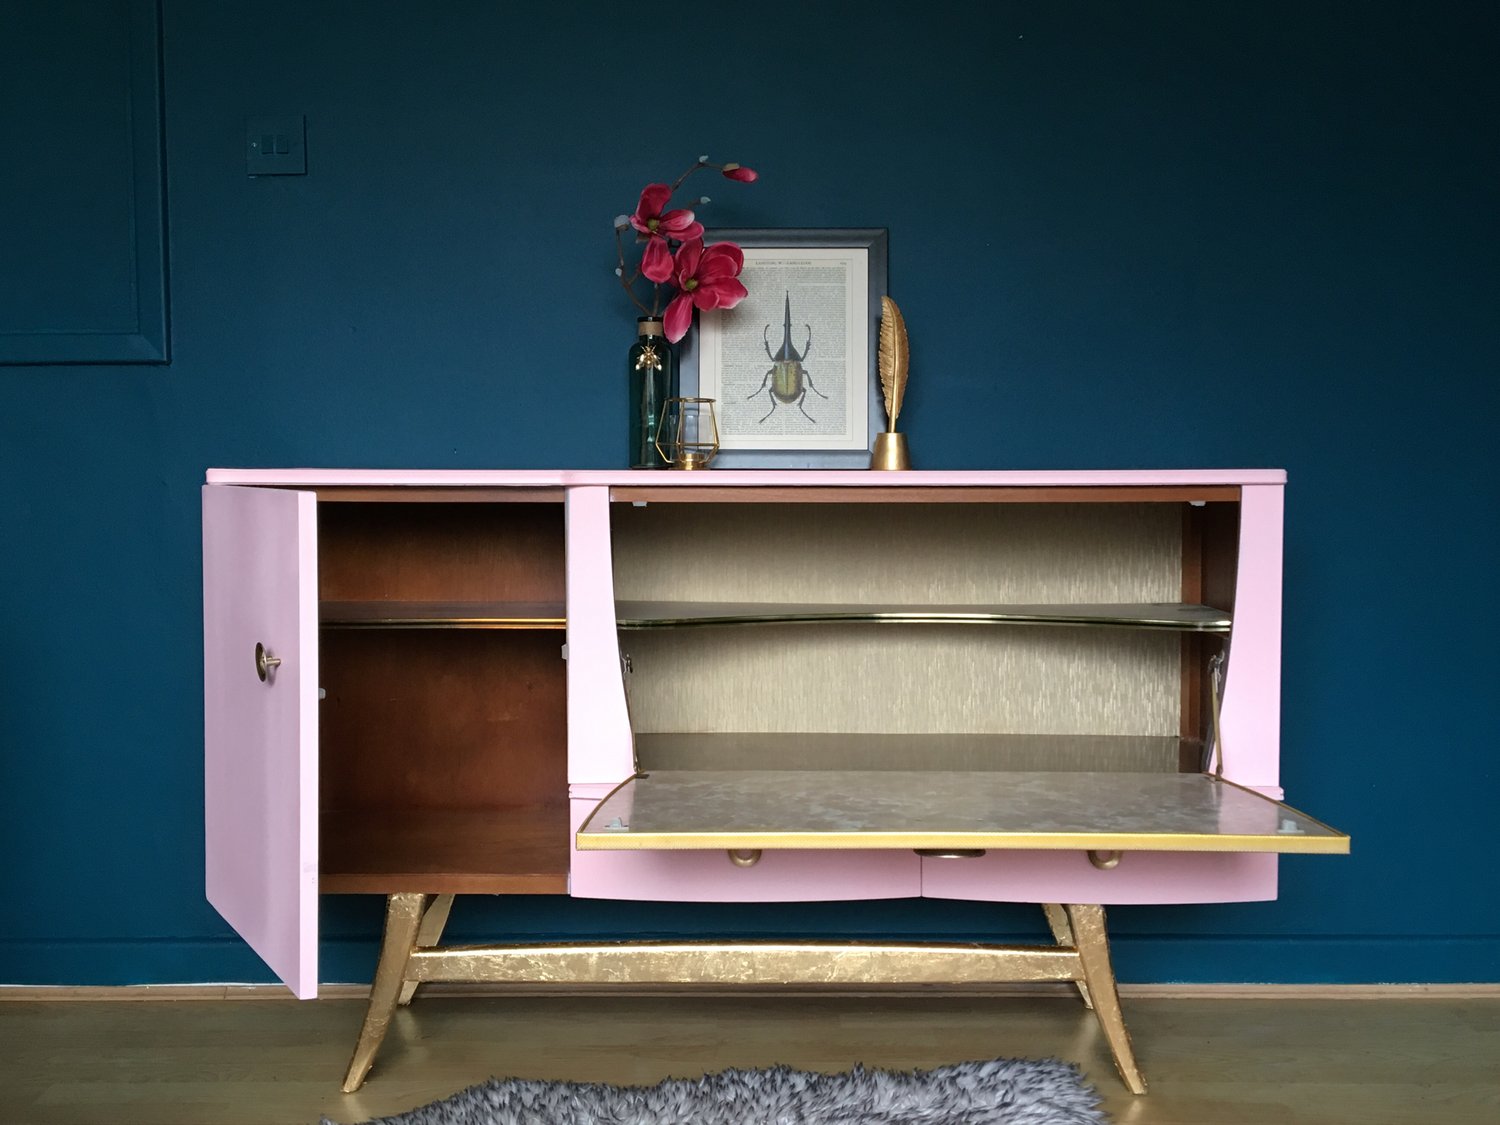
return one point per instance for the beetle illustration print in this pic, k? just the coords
(788, 379)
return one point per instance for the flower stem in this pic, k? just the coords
(628, 284)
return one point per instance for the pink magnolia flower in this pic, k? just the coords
(678, 225)
(705, 279)
(740, 172)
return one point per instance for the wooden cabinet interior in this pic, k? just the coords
(443, 724)
(1128, 695)
(443, 742)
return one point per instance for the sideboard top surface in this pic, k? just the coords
(855, 478)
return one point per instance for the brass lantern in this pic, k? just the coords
(688, 435)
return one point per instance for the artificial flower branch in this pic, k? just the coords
(705, 277)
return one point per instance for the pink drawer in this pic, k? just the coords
(1068, 876)
(709, 876)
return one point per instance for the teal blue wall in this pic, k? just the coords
(1122, 234)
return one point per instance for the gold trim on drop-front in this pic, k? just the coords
(625, 838)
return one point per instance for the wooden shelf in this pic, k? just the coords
(445, 851)
(1168, 616)
(392, 614)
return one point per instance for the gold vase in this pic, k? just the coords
(890, 452)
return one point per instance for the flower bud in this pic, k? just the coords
(741, 173)
(621, 222)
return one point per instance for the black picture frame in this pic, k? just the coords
(728, 351)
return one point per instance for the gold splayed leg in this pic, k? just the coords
(1062, 933)
(403, 916)
(414, 923)
(1092, 942)
(431, 932)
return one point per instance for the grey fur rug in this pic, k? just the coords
(1002, 1092)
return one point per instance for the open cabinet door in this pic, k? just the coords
(261, 722)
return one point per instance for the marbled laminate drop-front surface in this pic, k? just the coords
(920, 809)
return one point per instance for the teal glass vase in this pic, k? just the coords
(652, 371)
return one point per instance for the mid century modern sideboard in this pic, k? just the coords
(740, 686)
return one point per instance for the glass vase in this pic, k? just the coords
(652, 379)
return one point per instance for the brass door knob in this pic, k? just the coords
(264, 662)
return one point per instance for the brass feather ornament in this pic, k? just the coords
(895, 359)
(893, 362)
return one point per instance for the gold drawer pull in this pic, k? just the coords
(949, 853)
(1105, 861)
(744, 857)
(264, 662)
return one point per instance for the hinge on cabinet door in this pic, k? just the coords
(626, 668)
(1215, 694)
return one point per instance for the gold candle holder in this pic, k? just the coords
(890, 452)
(688, 435)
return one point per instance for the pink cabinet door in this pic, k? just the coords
(261, 723)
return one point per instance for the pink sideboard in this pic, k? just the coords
(441, 701)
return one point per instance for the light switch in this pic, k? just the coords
(276, 146)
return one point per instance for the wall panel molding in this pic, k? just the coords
(83, 262)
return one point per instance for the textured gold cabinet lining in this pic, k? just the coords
(958, 554)
(906, 680)
(937, 752)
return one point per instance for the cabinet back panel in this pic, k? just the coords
(906, 679)
(899, 553)
(937, 752)
(912, 679)
(443, 719)
(440, 552)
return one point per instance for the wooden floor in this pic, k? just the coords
(1405, 1061)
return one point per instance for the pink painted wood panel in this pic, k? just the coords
(1250, 717)
(1067, 876)
(709, 876)
(531, 478)
(599, 739)
(261, 739)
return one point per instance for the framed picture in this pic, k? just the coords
(791, 368)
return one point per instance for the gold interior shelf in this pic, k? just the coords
(394, 614)
(1169, 616)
